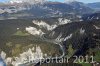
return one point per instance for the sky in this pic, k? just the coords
(85, 1)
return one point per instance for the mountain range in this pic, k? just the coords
(50, 29)
(95, 5)
(46, 10)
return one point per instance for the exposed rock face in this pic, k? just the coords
(34, 31)
(26, 57)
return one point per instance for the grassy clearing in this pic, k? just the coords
(21, 33)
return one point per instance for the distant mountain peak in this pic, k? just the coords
(76, 2)
(69, 1)
(27, 1)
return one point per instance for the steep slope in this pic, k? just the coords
(77, 34)
(91, 16)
